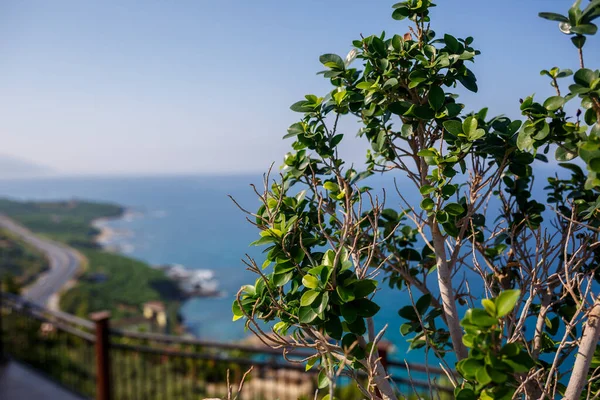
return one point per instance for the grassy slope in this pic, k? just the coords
(129, 283)
(19, 259)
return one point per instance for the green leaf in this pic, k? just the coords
(390, 83)
(469, 81)
(423, 303)
(468, 367)
(379, 47)
(348, 312)
(333, 327)
(416, 77)
(310, 282)
(506, 301)
(579, 41)
(357, 326)
(524, 140)
(585, 29)
(489, 306)
(364, 85)
(301, 106)
(427, 153)
(331, 186)
(283, 267)
(426, 189)
(437, 97)
(454, 127)
(322, 380)
(405, 329)
(594, 164)
(237, 311)
(469, 125)
(399, 107)
(554, 103)
(364, 287)
(323, 302)
(478, 134)
(308, 297)
(281, 279)
(590, 117)
(564, 73)
(401, 13)
(366, 308)
(478, 317)
(295, 130)
(553, 17)
(329, 258)
(510, 349)
(306, 315)
(311, 362)
(263, 240)
(454, 209)
(466, 394)
(332, 61)
(564, 154)
(346, 295)
(585, 77)
(409, 313)
(592, 11)
(575, 12)
(482, 376)
(453, 109)
(427, 204)
(452, 44)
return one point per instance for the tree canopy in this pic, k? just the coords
(530, 261)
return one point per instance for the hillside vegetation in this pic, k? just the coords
(67, 221)
(19, 260)
(110, 281)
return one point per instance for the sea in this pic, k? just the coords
(191, 220)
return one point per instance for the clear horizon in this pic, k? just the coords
(130, 88)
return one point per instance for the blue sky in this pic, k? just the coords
(193, 86)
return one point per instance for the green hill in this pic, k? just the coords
(110, 281)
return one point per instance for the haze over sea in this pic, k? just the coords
(189, 220)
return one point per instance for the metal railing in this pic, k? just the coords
(98, 362)
(56, 344)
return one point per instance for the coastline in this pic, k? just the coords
(107, 236)
(105, 233)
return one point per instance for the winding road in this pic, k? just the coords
(64, 265)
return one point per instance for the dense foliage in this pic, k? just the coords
(533, 262)
(124, 286)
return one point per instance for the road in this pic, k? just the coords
(64, 264)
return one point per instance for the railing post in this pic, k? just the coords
(103, 386)
(384, 348)
(3, 357)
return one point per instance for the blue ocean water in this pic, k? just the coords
(191, 221)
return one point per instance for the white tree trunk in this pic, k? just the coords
(447, 292)
(587, 346)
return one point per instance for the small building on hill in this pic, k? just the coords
(155, 311)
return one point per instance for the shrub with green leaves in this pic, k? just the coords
(476, 232)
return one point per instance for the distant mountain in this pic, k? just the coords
(13, 167)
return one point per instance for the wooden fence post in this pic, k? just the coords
(103, 385)
(384, 348)
(3, 357)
